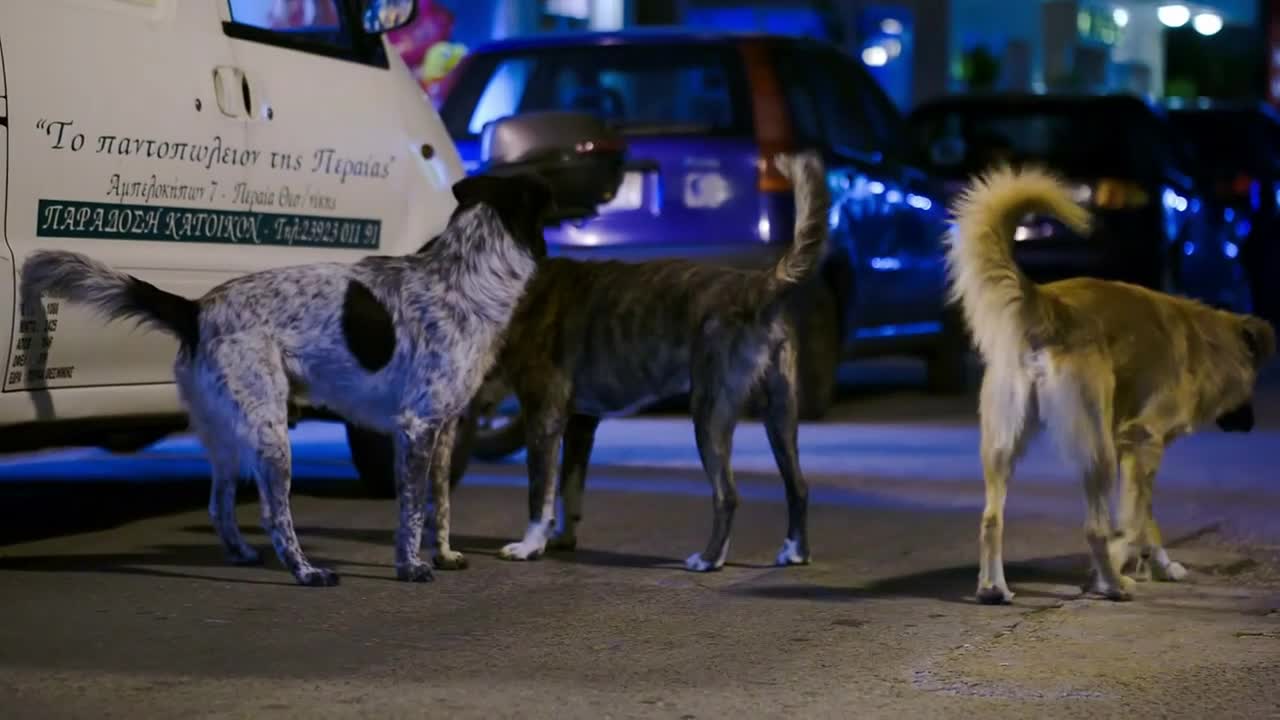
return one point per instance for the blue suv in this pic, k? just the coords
(701, 114)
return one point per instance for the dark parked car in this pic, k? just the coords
(701, 115)
(1238, 152)
(1157, 224)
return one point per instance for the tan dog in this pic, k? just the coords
(1114, 371)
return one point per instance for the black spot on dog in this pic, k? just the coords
(367, 327)
(180, 315)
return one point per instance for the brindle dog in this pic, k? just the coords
(598, 339)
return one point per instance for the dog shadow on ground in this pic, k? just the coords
(490, 546)
(184, 561)
(169, 561)
(953, 584)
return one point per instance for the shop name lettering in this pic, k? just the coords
(76, 219)
(326, 161)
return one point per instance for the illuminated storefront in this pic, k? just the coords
(1093, 45)
(917, 49)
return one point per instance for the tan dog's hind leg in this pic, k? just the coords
(1162, 566)
(1076, 397)
(1139, 539)
(1140, 455)
(1007, 411)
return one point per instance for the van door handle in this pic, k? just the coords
(231, 88)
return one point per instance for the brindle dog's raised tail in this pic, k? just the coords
(813, 201)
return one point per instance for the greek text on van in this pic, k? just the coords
(83, 219)
(326, 161)
(80, 219)
(151, 189)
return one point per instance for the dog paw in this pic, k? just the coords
(562, 543)
(1173, 572)
(1141, 570)
(317, 577)
(1122, 592)
(450, 560)
(1122, 554)
(695, 563)
(792, 553)
(244, 556)
(994, 595)
(523, 550)
(417, 572)
(1128, 586)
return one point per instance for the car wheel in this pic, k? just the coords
(818, 353)
(125, 443)
(373, 455)
(499, 430)
(948, 361)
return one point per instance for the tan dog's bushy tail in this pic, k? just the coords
(813, 205)
(1001, 304)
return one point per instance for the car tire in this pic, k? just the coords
(127, 443)
(819, 351)
(948, 361)
(495, 442)
(373, 455)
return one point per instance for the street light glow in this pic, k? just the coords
(1207, 23)
(1173, 16)
(1120, 16)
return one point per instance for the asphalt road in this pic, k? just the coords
(114, 601)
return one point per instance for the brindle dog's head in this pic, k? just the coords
(522, 201)
(1259, 340)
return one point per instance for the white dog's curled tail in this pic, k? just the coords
(1001, 304)
(81, 279)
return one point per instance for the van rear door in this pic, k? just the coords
(354, 159)
(120, 152)
(6, 256)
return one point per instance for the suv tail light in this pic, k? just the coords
(1114, 194)
(1241, 188)
(771, 179)
(769, 110)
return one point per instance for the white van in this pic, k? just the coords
(188, 142)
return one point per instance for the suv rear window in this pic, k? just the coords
(649, 88)
(1074, 138)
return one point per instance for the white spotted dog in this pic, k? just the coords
(396, 344)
